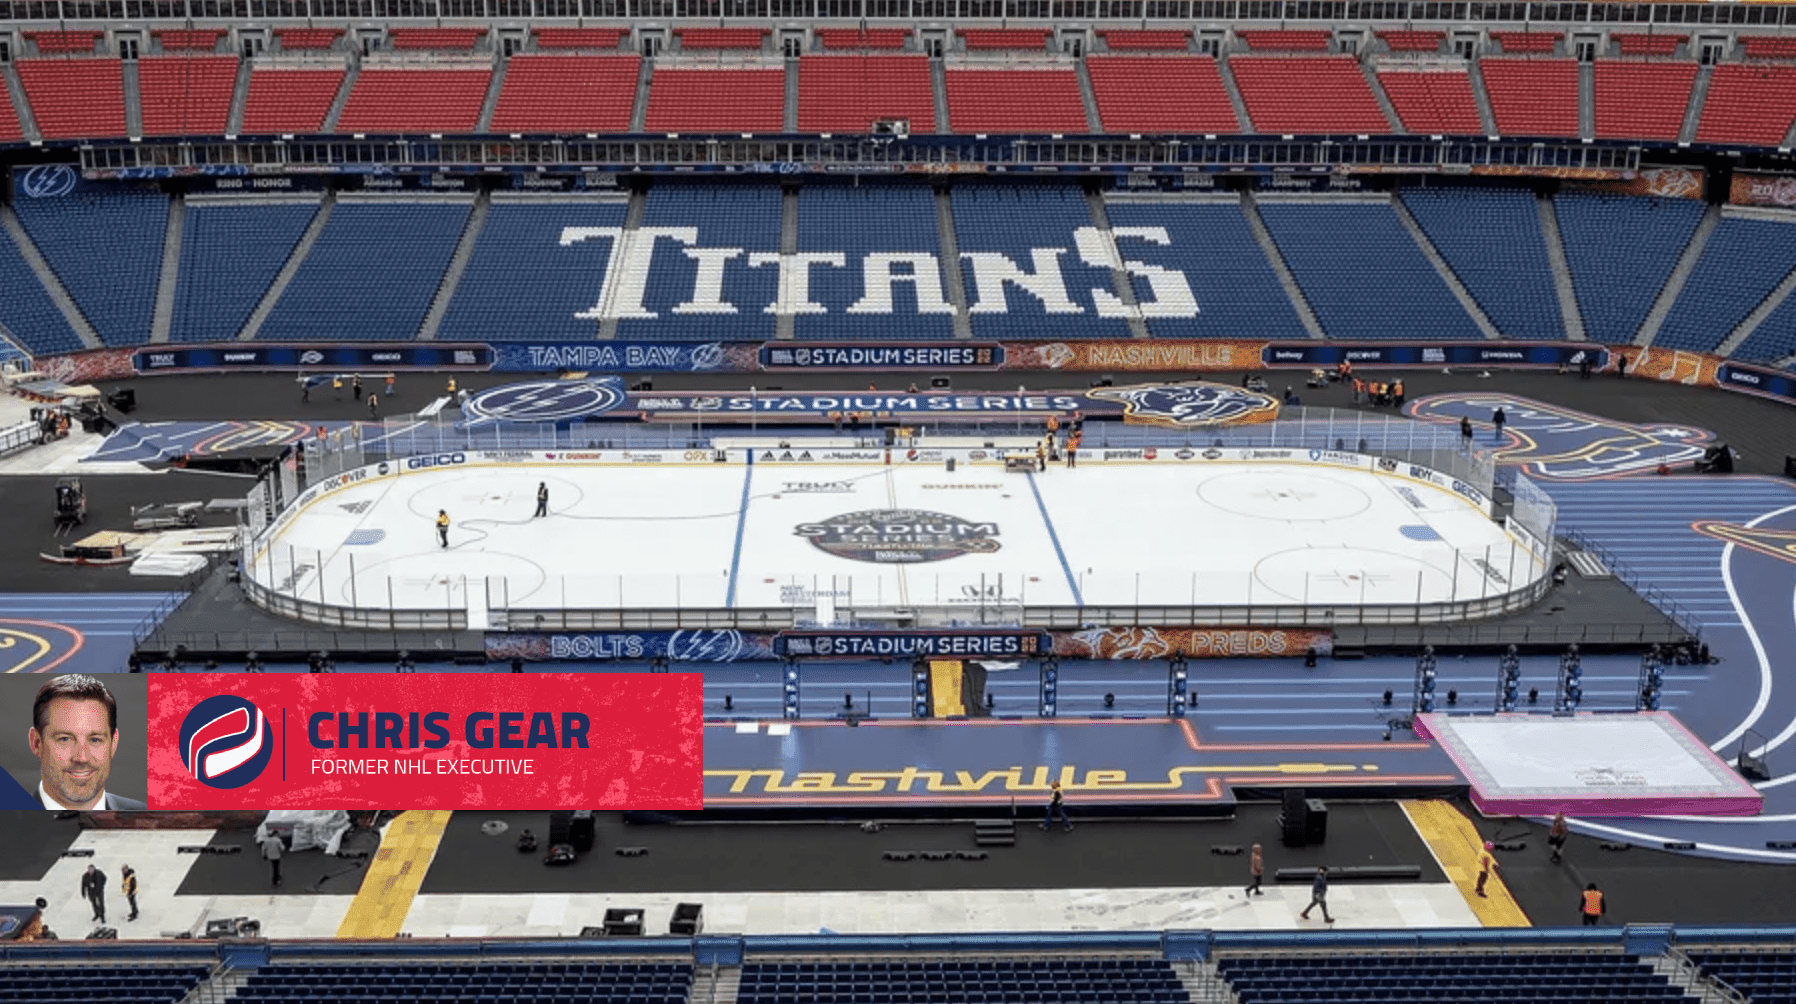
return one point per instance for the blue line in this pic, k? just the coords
(748, 477)
(1054, 539)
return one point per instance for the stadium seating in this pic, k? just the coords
(567, 94)
(861, 221)
(372, 273)
(1145, 39)
(521, 278)
(137, 984)
(1030, 228)
(1620, 251)
(1362, 273)
(1238, 294)
(308, 38)
(107, 250)
(1432, 102)
(1641, 44)
(1309, 40)
(10, 129)
(1748, 103)
(1307, 94)
(1642, 100)
(230, 254)
(1160, 94)
(436, 39)
(1413, 41)
(186, 95)
(1773, 340)
(27, 311)
(696, 39)
(1000, 39)
(997, 101)
(65, 43)
(1533, 97)
(845, 94)
(883, 39)
(1742, 262)
(289, 101)
(1768, 46)
(75, 98)
(1139, 981)
(1534, 42)
(717, 100)
(188, 39)
(1492, 240)
(415, 100)
(580, 38)
(485, 983)
(1445, 977)
(740, 218)
(1764, 976)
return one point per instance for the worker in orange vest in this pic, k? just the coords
(1592, 905)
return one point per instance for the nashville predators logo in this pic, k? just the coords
(1186, 405)
(1566, 445)
(1772, 543)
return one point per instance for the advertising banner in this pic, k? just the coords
(1664, 182)
(1513, 355)
(1201, 643)
(971, 644)
(881, 357)
(1779, 384)
(425, 741)
(1206, 356)
(1751, 189)
(416, 355)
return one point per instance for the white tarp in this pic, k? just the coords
(305, 829)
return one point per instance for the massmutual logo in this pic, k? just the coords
(225, 742)
(1188, 405)
(900, 536)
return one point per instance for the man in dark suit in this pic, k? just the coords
(93, 889)
(74, 733)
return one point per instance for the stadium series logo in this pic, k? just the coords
(900, 536)
(225, 742)
(1187, 405)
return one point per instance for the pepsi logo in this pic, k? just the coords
(225, 742)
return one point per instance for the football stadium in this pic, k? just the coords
(977, 501)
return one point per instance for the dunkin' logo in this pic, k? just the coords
(225, 742)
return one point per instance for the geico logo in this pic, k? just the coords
(440, 460)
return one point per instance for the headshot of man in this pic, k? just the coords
(74, 734)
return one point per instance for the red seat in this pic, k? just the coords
(308, 38)
(567, 94)
(1542, 42)
(1436, 103)
(188, 39)
(9, 122)
(1307, 94)
(693, 100)
(186, 95)
(1748, 103)
(415, 101)
(436, 39)
(1145, 40)
(1642, 100)
(579, 38)
(1413, 41)
(695, 39)
(846, 94)
(1000, 39)
(996, 101)
(1146, 94)
(1649, 45)
(289, 101)
(64, 42)
(1287, 41)
(75, 98)
(870, 38)
(1533, 97)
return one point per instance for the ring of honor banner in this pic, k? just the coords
(426, 741)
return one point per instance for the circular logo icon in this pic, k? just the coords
(900, 536)
(225, 742)
(546, 400)
(48, 181)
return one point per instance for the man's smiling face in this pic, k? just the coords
(75, 750)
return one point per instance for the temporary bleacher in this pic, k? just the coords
(846, 94)
(283, 100)
(188, 39)
(1362, 273)
(1743, 261)
(1533, 97)
(231, 251)
(1413, 41)
(1748, 103)
(604, 39)
(1642, 100)
(891, 285)
(523, 277)
(1492, 240)
(485, 982)
(107, 250)
(436, 39)
(186, 95)
(1443, 978)
(1307, 94)
(64, 43)
(75, 98)
(1037, 100)
(566, 93)
(136, 984)
(1430, 100)
(710, 39)
(876, 39)
(1161, 94)
(307, 38)
(372, 273)
(28, 312)
(1238, 294)
(717, 99)
(422, 98)
(995, 981)
(1145, 39)
(1534, 42)
(1024, 275)
(1620, 251)
(1002, 39)
(711, 291)
(1642, 44)
(1292, 40)
(1763, 975)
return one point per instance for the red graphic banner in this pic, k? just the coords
(426, 741)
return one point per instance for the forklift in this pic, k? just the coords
(71, 504)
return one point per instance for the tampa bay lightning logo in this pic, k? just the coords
(1189, 404)
(47, 181)
(546, 401)
(225, 742)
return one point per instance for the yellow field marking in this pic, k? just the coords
(1456, 845)
(394, 876)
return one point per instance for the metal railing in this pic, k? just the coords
(1659, 598)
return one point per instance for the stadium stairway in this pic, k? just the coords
(1751, 322)
(1305, 313)
(341, 101)
(162, 317)
(639, 109)
(9, 75)
(1562, 277)
(1586, 101)
(1486, 117)
(1699, 93)
(284, 278)
(633, 214)
(938, 85)
(1674, 283)
(789, 117)
(957, 281)
(133, 98)
(59, 294)
(494, 85)
(1119, 279)
(1384, 100)
(458, 263)
(1466, 301)
(1093, 121)
(1227, 73)
(785, 325)
(239, 98)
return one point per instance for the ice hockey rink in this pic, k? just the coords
(666, 531)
